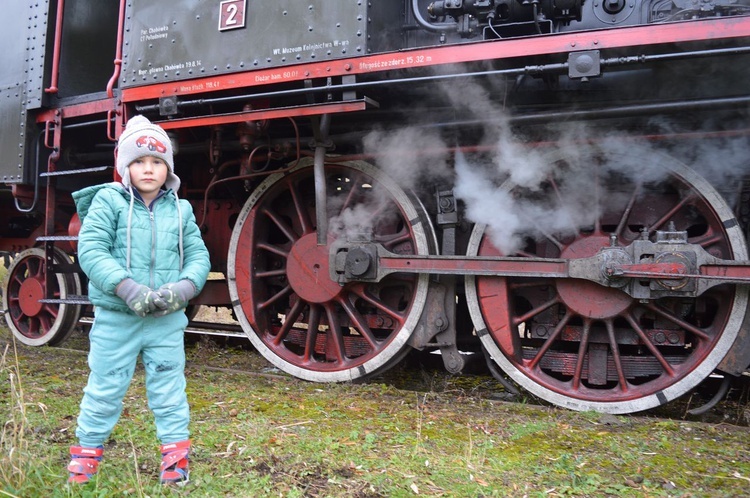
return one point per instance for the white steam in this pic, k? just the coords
(414, 158)
(519, 190)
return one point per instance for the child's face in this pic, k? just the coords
(148, 174)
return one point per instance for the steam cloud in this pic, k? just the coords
(519, 191)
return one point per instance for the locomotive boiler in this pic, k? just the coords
(559, 185)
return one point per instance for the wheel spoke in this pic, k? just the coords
(627, 211)
(550, 340)
(582, 349)
(273, 249)
(548, 236)
(359, 323)
(312, 333)
(51, 310)
(392, 241)
(335, 341)
(646, 342)
(542, 307)
(291, 318)
(276, 297)
(597, 201)
(556, 188)
(545, 233)
(270, 273)
(708, 239)
(17, 279)
(378, 304)
(282, 225)
(34, 326)
(379, 210)
(679, 322)
(670, 214)
(351, 196)
(45, 323)
(302, 213)
(616, 356)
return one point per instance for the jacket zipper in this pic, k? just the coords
(152, 220)
(152, 276)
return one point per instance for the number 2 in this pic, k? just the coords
(232, 18)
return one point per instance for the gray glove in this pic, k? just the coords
(139, 298)
(174, 296)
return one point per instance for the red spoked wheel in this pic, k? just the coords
(34, 323)
(583, 346)
(294, 314)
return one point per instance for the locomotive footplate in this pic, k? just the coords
(669, 267)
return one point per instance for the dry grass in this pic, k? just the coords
(14, 446)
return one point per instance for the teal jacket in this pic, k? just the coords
(155, 248)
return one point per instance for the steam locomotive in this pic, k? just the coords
(559, 185)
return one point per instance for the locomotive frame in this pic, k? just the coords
(622, 286)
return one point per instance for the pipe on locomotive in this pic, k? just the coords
(118, 51)
(554, 68)
(441, 27)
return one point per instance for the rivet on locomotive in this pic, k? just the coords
(558, 185)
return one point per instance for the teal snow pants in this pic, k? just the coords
(117, 339)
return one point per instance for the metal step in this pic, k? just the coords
(55, 238)
(97, 169)
(82, 300)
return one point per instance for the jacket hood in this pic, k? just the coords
(83, 197)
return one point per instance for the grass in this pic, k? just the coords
(14, 460)
(258, 433)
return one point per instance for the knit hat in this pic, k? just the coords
(143, 138)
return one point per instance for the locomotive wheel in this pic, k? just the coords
(297, 317)
(588, 347)
(34, 323)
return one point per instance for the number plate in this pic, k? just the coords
(231, 14)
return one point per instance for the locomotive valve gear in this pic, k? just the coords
(139, 298)
(174, 296)
(674, 269)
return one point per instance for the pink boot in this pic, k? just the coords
(174, 463)
(84, 463)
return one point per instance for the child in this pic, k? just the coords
(145, 259)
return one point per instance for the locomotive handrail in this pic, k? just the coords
(49, 127)
(110, 124)
(118, 53)
(261, 114)
(31, 208)
(57, 48)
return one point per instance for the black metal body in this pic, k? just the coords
(249, 88)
